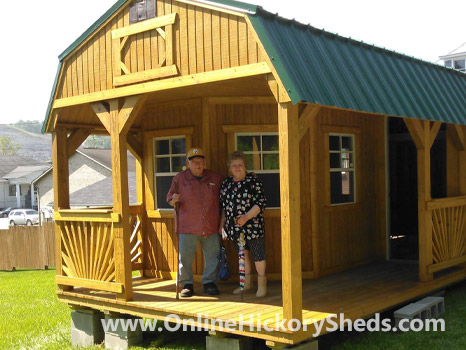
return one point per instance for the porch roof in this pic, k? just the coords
(320, 67)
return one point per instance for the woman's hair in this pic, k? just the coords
(237, 155)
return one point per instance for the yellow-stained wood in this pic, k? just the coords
(87, 216)
(420, 132)
(61, 169)
(306, 118)
(435, 128)
(241, 100)
(166, 84)
(102, 114)
(75, 140)
(288, 129)
(206, 130)
(129, 112)
(144, 26)
(87, 283)
(230, 129)
(446, 202)
(135, 146)
(121, 230)
(156, 73)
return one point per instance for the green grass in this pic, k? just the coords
(32, 318)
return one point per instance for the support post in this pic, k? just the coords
(121, 229)
(288, 134)
(423, 136)
(61, 192)
(18, 195)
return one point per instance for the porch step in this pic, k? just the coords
(427, 308)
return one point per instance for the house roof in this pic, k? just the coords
(10, 163)
(104, 157)
(101, 194)
(26, 173)
(320, 67)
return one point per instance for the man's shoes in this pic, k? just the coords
(187, 291)
(211, 289)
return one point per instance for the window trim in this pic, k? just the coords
(150, 136)
(329, 130)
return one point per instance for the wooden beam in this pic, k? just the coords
(416, 131)
(121, 230)
(60, 169)
(92, 284)
(144, 26)
(236, 100)
(167, 84)
(435, 128)
(458, 137)
(288, 132)
(273, 86)
(129, 112)
(306, 118)
(134, 145)
(76, 139)
(102, 114)
(156, 73)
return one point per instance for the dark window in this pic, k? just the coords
(342, 167)
(141, 10)
(12, 191)
(448, 63)
(169, 159)
(460, 65)
(261, 151)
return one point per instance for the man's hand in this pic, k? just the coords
(175, 199)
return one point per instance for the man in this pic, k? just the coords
(199, 218)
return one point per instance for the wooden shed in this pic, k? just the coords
(341, 132)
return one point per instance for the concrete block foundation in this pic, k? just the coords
(86, 328)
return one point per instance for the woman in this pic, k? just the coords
(243, 202)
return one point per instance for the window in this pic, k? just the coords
(12, 190)
(448, 63)
(169, 159)
(141, 10)
(261, 151)
(342, 168)
(460, 65)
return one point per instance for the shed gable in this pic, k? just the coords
(183, 39)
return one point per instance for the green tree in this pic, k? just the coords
(8, 147)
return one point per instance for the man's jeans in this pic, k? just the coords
(210, 249)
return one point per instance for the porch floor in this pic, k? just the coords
(357, 293)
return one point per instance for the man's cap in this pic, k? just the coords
(195, 152)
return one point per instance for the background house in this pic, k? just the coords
(456, 59)
(89, 169)
(16, 175)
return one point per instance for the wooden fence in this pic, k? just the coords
(31, 247)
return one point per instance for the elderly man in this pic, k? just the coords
(199, 218)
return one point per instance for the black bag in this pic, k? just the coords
(223, 272)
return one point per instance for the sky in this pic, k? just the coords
(41, 30)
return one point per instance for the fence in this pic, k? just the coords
(31, 247)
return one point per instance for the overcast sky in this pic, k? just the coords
(36, 32)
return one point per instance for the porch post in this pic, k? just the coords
(33, 198)
(18, 195)
(61, 192)
(288, 133)
(423, 136)
(121, 229)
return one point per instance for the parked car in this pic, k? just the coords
(6, 212)
(23, 217)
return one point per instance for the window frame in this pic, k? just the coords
(150, 137)
(331, 130)
(253, 129)
(9, 190)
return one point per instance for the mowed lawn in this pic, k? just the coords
(32, 318)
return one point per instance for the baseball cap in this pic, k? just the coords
(195, 152)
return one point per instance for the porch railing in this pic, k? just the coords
(448, 232)
(87, 249)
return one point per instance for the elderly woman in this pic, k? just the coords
(243, 202)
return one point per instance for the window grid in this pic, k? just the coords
(260, 152)
(350, 158)
(170, 155)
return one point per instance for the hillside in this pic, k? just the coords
(34, 146)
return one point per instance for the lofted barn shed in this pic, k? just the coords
(361, 149)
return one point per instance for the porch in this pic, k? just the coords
(357, 293)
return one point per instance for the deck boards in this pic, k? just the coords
(358, 293)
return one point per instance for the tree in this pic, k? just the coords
(8, 147)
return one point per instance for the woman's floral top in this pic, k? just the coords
(237, 198)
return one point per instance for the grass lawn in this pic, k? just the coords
(32, 318)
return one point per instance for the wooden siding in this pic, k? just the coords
(347, 235)
(351, 234)
(203, 40)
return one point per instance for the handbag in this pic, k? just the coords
(223, 272)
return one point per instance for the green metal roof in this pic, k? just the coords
(320, 67)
